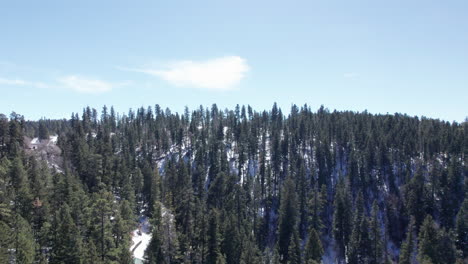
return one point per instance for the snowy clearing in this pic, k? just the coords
(141, 238)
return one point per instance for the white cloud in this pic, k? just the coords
(12, 82)
(19, 82)
(70, 82)
(85, 85)
(219, 74)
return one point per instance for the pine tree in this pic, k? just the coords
(461, 229)
(91, 254)
(435, 245)
(214, 239)
(249, 254)
(5, 218)
(294, 250)
(427, 240)
(316, 205)
(125, 256)
(100, 226)
(287, 218)
(15, 143)
(360, 244)
(5, 242)
(171, 246)
(137, 182)
(3, 134)
(154, 252)
(415, 194)
(342, 218)
(234, 242)
(303, 191)
(269, 151)
(24, 241)
(155, 190)
(375, 236)
(313, 248)
(184, 205)
(23, 198)
(446, 250)
(43, 130)
(407, 247)
(66, 243)
(456, 191)
(276, 259)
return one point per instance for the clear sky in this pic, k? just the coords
(57, 57)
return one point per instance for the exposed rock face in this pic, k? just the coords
(46, 150)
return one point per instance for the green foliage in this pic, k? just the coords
(461, 229)
(233, 183)
(415, 197)
(214, 239)
(407, 247)
(360, 244)
(5, 242)
(435, 245)
(287, 219)
(375, 252)
(294, 250)
(342, 217)
(66, 242)
(24, 244)
(43, 130)
(313, 248)
(154, 253)
(23, 197)
(317, 203)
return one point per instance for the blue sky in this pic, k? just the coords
(57, 57)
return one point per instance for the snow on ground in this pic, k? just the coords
(53, 139)
(35, 141)
(141, 238)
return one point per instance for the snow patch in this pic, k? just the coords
(141, 238)
(53, 139)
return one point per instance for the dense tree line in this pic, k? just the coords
(236, 186)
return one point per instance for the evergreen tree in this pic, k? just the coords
(91, 254)
(24, 241)
(214, 240)
(342, 218)
(287, 218)
(407, 247)
(5, 242)
(125, 256)
(268, 179)
(313, 248)
(100, 225)
(360, 244)
(435, 245)
(23, 198)
(154, 252)
(461, 229)
(234, 242)
(155, 191)
(316, 206)
(249, 254)
(294, 250)
(43, 130)
(415, 193)
(66, 243)
(5, 219)
(375, 236)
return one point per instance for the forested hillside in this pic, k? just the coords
(233, 186)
